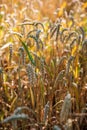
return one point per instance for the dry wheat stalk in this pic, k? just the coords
(1, 76)
(42, 67)
(10, 52)
(15, 33)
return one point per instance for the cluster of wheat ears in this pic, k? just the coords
(43, 72)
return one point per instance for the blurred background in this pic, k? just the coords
(41, 8)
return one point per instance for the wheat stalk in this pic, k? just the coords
(42, 67)
(10, 53)
(72, 19)
(35, 23)
(15, 33)
(1, 76)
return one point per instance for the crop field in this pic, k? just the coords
(43, 65)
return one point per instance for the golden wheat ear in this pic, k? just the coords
(46, 110)
(71, 58)
(65, 30)
(22, 55)
(55, 127)
(66, 108)
(17, 115)
(31, 74)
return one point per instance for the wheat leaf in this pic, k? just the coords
(28, 52)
